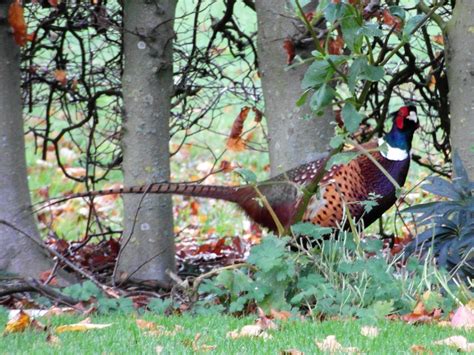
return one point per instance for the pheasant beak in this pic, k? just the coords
(413, 117)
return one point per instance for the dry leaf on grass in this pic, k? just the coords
(32, 313)
(280, 315)
(57, 311)
(37, 325)
(330, 344)
(144, 324)
(252, 330)
(201, 347)
(18, 323)
(463, 318)
(82, 326)
(369, 332)
(291, 352)
(263, 321)
(159, 349)
(53, 339)
(159, 330)
(458, 342)
(420, 349)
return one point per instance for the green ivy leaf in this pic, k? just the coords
(247, 175)
(351, 117)
(373, 73)
(302, 99)
(410, 26)
(322, 97)
(357, 67)
(333, 12)
(350, 26)
(370, 30)
(341, 158)
(336, 141)
(316, 74)
(398, 11)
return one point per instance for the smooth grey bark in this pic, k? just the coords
(148, 248)
(18, 254)
(292, 140)
(460, 65)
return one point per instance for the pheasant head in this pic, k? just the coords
(400, 137)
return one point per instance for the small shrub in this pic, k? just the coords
(448, 233)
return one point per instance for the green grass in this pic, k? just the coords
(125, 337)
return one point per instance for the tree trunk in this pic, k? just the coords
(148, 240)
(18, 254)
(460, 64)
(292, 139)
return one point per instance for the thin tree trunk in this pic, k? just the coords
(18, 254)
(292, 139)
(148, 242)
(460, 50)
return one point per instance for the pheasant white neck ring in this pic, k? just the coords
(392, 153)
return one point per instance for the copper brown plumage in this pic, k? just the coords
(343, 188)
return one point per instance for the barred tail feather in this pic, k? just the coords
(227, 193)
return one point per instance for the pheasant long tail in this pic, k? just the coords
(227, 193)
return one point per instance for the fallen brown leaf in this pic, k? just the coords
(37, 325)
(330, 344)
(53, 339)
(57, 311)
(252, 330)
(201, 347)
(18, 324)
(456, 341)
(291, 352)
(463, 318)
(420, 349)
(143, 324)
(82, 326)
(159, 330)
(369, 332)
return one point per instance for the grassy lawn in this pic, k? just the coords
(124, 336)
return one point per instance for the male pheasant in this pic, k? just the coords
(344, 186)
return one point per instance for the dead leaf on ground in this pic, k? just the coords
(330, 344)
(18, 324)
(53, 339)
(144, 324)
(263, 321)
(369, 332)
(82, 326)
(463, 318)
(57, 311)
(201, 347)
(291, 352)
(160, 330)
(32, 313)
(252, 330)
(420, 349)
(37, 325)
(280, 315)
(457, 341)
